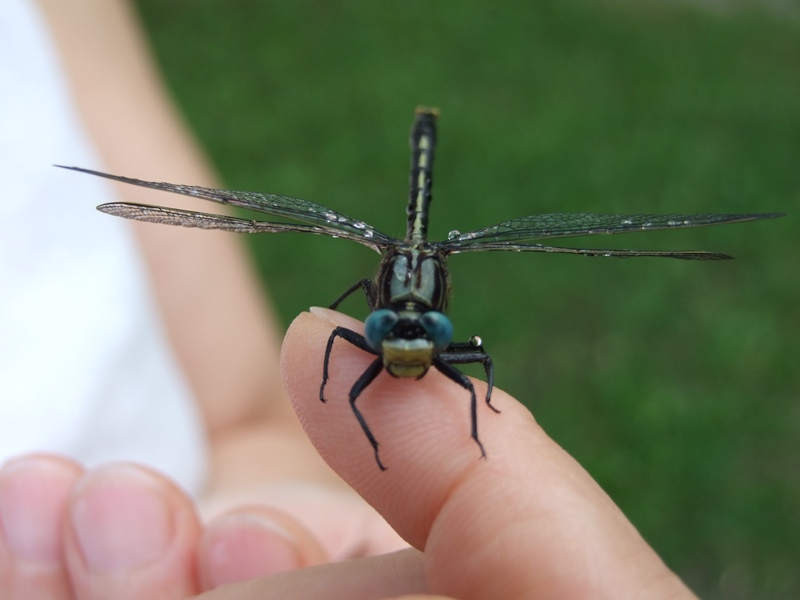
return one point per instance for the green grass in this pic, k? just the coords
(674, 383)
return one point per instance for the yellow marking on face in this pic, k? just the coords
(407, 358)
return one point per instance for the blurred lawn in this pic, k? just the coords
(674, 383)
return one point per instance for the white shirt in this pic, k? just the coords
(85, 366)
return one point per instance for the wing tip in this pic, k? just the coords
(110, 208)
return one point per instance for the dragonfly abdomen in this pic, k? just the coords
(422, 142)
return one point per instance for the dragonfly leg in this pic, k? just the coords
(457, 376)
(472, 352)
(369, 291)
(359, 386)
(346, 334)
(361, 383)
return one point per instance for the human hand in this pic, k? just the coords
(527, 522)
(123, 531)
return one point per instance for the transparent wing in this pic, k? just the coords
(187, 218)
(613, 252)
(517, 234)
(328, 222)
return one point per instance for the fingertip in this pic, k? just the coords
(254, 542)
(306, 332)
(109, 511)
(129, 529)
(303, 338)
(336, 318)
(33, 495)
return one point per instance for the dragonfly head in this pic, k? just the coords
(408, 340)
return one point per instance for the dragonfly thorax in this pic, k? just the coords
(413, 276)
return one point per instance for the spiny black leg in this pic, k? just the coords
(454, 374)
(359, 341)
(325, 362)
(369, 291)
(347, 334)
(489, 368)
(359, 386)
(467, 352)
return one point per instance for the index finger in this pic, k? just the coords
(525, 520)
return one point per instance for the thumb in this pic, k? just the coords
(526, 521)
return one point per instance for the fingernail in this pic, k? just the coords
(121, 519)
(33, 494)
(244, 546)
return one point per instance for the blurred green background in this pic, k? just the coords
(674, 383)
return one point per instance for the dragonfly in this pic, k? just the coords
(407, 329)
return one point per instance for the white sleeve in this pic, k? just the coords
(85, 366)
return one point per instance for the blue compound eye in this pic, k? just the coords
(378, 325)
(438, 327)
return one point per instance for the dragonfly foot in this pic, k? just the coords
(378, 460)
(322, 392)
(480, 445)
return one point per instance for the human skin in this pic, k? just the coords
(525, 522)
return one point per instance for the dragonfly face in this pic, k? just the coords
(407, 330)
(408, 339)
(406, 350)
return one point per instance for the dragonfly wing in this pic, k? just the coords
(186, 218)
(616, 253)
(271, 204)
(537, 227)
